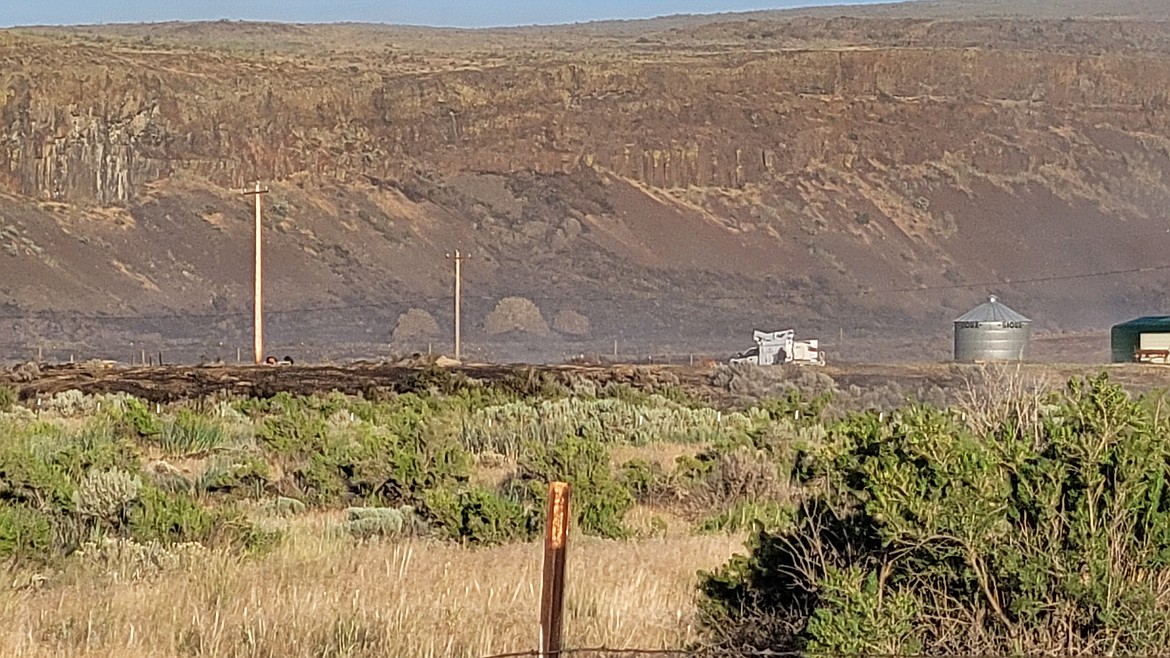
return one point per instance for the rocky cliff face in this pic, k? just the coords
(88, 125)
(733, 153)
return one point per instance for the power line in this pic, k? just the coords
(402, 303)
(1039, 279)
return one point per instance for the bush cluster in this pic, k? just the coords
(61, 487)
(1048, 533)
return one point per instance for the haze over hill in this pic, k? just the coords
(861, 175)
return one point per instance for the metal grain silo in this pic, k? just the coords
(991, 332)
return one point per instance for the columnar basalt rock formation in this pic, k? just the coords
(692, 175)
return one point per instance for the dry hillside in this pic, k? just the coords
(862, 175)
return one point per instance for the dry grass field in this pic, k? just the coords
(322, 593)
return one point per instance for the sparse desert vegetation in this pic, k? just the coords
(405, 522)
(353, 525)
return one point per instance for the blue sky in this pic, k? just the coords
(460, 13)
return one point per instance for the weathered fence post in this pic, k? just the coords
(552, 591)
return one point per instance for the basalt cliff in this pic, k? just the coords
(667, 185)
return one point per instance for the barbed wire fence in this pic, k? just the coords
(601, 652)
(713, 652)
(611, 652)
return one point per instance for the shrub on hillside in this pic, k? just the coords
(571, 323)
(503, 428)
(384, 453)
(515, 314)
(415, 324)
(139, 421)
(750, 515)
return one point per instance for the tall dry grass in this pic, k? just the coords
(321, 594)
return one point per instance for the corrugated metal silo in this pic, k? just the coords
(991, 332)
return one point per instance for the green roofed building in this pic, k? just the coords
(1142, 339)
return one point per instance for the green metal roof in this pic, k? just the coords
(1148, 322)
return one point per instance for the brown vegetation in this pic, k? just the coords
(324, 594)
(571, 323)
(414, 324)
(515, 314)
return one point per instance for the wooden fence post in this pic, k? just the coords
(552, 591)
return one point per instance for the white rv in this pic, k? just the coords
(779, 347)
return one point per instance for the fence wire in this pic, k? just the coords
(711, 652)
(610, 651)
(603, 652)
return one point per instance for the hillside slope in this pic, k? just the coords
(861, 179)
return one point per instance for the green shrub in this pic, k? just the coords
(191, 434)
(29, 480)
(24, 533)
(9, 397)
(694, 469)
(750, 515)
(436, 380)
(106, 495)
(920, 537)
(533, 383)
(797, 406)
(599, 501)
(479, 516)
(169, 517)
(504, 428)
(367, 522)
(238, 474)
(320, 482)
(139, 420)
(400, 468)
(641, 478)
(286, 425)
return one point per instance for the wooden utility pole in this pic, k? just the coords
(552, 591)
(258, 297)
(458, 258)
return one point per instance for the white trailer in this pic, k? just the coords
(779, 347)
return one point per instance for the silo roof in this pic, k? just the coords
(989, 311)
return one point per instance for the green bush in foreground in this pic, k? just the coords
(1049, 535)
(480, 516)
(599, 500)
(8, 398)
(23, 532)
(189, 434)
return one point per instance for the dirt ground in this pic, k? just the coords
(170, 383)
